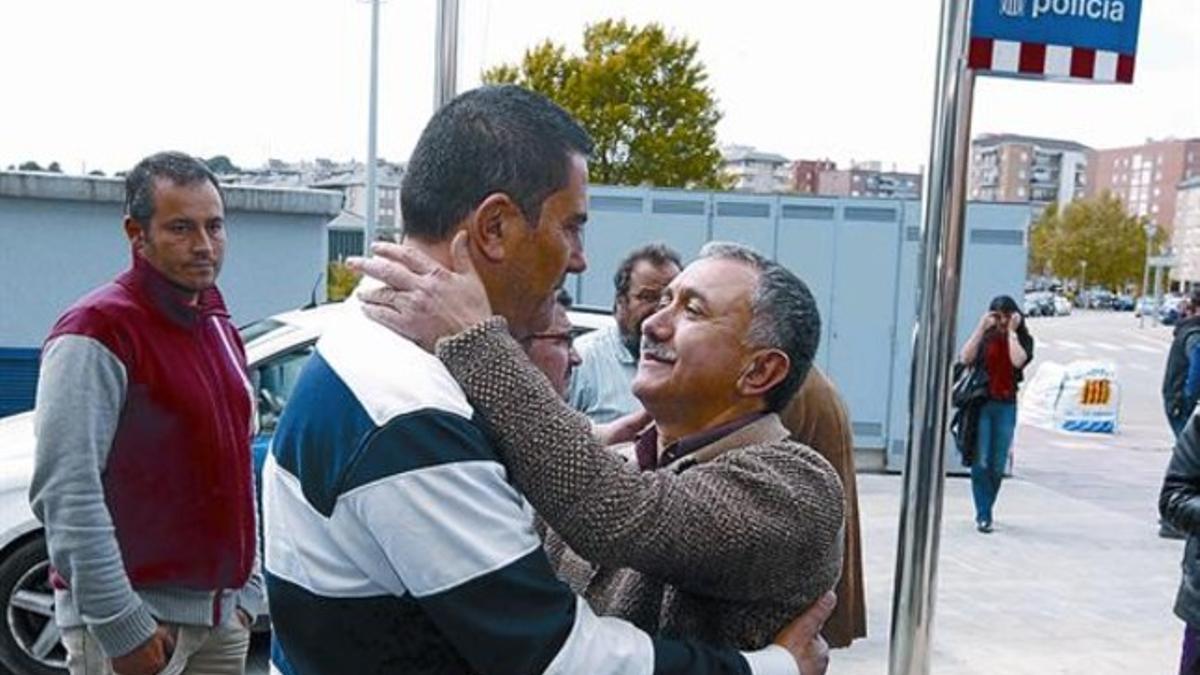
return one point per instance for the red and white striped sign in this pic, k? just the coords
(1005, 57)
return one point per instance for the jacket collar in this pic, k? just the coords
(167, 298)
(767, 428)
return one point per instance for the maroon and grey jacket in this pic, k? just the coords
(143, 469)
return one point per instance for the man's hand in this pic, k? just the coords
(623, 429)
(149, 659)
(422, 300)
(802, 637)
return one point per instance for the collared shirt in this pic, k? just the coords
(646, 446)
(602, 386)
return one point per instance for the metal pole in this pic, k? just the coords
(446, 63)
(1145, 279)
(944, 207)
(372, 217)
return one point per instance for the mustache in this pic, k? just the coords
(656, 349)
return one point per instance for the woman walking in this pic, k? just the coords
(1002, 346)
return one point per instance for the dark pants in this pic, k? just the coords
(1189, 662)
(997, 422)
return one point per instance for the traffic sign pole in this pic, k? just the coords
(942, 219)
(1075, 40)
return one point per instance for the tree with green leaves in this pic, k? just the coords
(1098, 231)
(641, 94)
(341, 281)
(54, 168)
(30, 166)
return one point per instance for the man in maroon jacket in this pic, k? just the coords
(143, 471)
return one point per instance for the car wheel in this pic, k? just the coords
(30, 642)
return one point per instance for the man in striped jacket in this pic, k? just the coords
(395, 542)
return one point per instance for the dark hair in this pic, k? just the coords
(177, 167)
(491, 139)
(657, 254)
(783, 315)
(1005, 303)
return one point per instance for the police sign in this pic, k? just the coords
(1091, 40)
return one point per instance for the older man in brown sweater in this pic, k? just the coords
(741, 528)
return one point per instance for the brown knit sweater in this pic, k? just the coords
(726, 551)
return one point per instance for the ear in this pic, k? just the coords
(490, 225)
(766, 370)
(134, 232)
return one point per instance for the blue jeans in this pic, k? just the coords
(997, 422)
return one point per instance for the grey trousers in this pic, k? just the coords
(199, 650)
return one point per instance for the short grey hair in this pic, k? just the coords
(783, 316)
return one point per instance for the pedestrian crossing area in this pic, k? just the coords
(1081, 348)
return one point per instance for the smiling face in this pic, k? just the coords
(185, 238)
(694, 349)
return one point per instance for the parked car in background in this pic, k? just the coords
(1062, 306)
(276, 350)
(1030, 306)
(1146, 305)
(1123, 303)
(1045, 300)
(1169, 309)
(1101, 299)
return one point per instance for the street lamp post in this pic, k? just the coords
(445, 80)
(372, 216)
(1083, 283)
(1150, 229)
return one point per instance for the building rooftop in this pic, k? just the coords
(39, 185)
(740, 153)
(347, 220)
(992, 140)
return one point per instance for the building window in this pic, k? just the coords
(1021, 192)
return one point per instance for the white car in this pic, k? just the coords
(1062, 306)
(276, 349)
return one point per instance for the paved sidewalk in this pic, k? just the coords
(1063, 585)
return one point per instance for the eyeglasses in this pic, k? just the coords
(551, 337)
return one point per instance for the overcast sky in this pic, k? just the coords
(100, 83)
